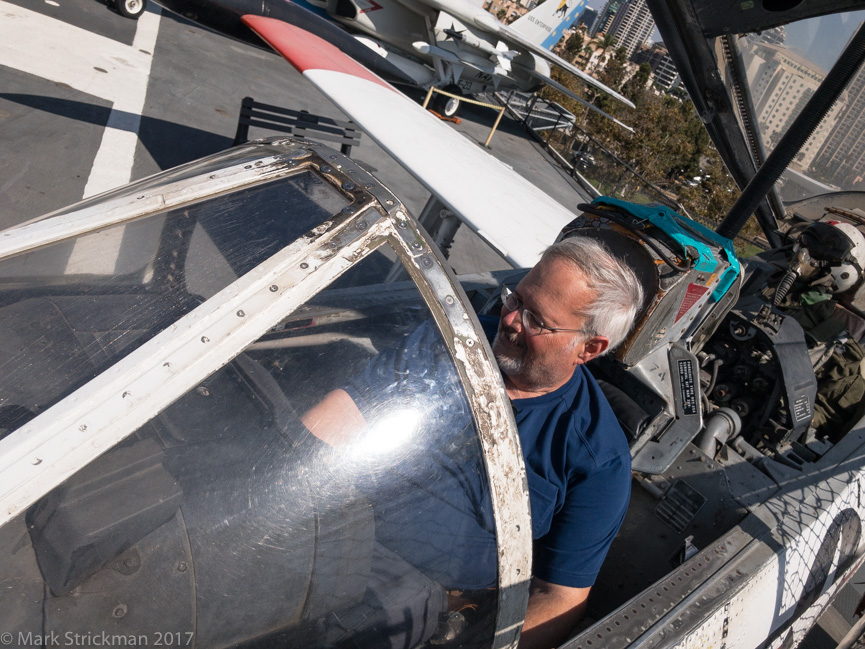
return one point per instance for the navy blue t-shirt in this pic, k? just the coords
(577, 463)
(579, 471)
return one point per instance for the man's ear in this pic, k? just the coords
(592, 348)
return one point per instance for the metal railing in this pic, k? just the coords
(598, 171)
(554, 126)
(536, 113)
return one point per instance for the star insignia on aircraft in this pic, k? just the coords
(453, 33)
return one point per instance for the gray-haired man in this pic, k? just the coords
(576, 304)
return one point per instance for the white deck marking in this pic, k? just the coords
(112, 166)
(92, 64)
(97, 66)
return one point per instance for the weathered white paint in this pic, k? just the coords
(71, 223)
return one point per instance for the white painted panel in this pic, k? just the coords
(506, 210)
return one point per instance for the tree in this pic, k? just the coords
(607, 41)
(635, 87)
(614, 71)
(669, 142)
(574, 45)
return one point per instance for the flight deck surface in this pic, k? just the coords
(90, 100)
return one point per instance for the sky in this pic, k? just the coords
(822, 39)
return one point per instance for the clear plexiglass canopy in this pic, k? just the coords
(218, 428)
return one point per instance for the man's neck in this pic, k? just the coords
(517, 391)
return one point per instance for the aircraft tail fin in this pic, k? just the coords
(544, 24)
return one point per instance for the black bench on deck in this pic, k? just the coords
(295, 122)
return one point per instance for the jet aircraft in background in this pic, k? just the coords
(453, 45)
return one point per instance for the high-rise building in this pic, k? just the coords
(589, 17)
(842, 156)
(781, 83)
(662, 64)
(632, 25)
(774, 36)
(606, 17)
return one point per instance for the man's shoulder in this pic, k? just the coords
(595, 426)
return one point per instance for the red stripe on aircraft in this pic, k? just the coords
(307, 51)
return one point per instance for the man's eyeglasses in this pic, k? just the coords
(531, 322)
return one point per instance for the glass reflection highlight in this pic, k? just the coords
(388, 433)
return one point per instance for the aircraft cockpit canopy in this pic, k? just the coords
(216, 424)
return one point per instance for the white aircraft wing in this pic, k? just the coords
(555, 84)
(483, 20)
(507, 211)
